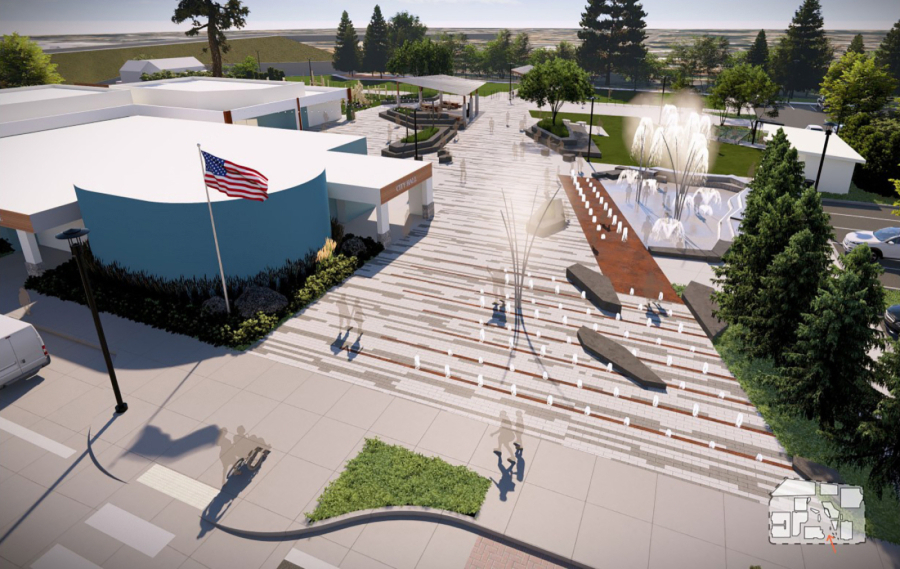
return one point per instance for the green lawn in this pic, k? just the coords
(891, 297)
(801, 436)
(103, 64)
(385, 475)
(491, 88)
(422, 135)
(728, 159)
(857, 194)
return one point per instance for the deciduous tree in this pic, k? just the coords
(24, 63)
(877, 139)
(555, 82)
(405, 27)
(856, 84)
(218, 17)
(422, 57)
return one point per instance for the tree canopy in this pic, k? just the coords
(405, 27)
(855, 83)
(219, 17)
(555, 82)
(888, 53)
(422, 57)
(856, 45)
(346, 46)
(376, 46)
(804, 53)
(612, 34)
(758, 54)
(24, 63)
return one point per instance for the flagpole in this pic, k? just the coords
(212, 220)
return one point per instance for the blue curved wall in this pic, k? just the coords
(173, 240)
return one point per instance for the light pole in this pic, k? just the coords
(73, 236)
(309, 62)
(828, 128)
(590, 130)
(416, 131)
(510, 83)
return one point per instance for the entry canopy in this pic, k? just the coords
(522, 70)
(445, 83)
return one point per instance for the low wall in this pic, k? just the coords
(433, 144)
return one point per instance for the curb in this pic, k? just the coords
(389, 513)
(831, 201)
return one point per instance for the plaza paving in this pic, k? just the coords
(587, 488)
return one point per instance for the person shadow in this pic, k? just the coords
(233, 483)
(506, 484)
(338, 345)
(355, 348)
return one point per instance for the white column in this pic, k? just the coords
(415, 199)
(383, 224)
(398, 93)
(34, 264)
(477, 97)
(428, 198)
(420, 96)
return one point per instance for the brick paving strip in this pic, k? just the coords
(489, 554)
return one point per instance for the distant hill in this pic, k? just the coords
(104, 64)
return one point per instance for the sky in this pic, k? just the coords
(39, 17)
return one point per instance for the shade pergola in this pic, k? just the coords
(522, 70)
(447, 84)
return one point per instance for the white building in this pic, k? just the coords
(133, 69)
(124, 161)
(840, 158)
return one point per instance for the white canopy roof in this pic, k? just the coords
(173, 63)
(813, 141)
(445, 83)
(522, 70)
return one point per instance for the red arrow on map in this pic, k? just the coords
(831, 541)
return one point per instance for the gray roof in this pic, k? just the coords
(445, 83)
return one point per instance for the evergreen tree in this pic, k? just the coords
(856, 45)
(875, 442)
(631, 53)
(810, 50)
(405, 27)
(346, 46)
(759, 51)
(888, 53)
(769, 221)
(375, 43)
(829, 372)
(219, 17)
(24, 63)
(598, 27)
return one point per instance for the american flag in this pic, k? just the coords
(234, 180)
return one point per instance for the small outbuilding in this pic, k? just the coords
(838, 165)
(133, 69)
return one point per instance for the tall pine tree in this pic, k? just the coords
(810, 51)
(597, 36)
(375, 44)
(346, 46)
(856, 45)
(758, 54)
(631, 52)
(829, 373)
(888, 53)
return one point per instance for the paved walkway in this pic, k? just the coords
(194, 408)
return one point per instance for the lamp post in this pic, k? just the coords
(73, 236)
(829, 126)
(309, 62)
(510, 83)
(591, 130)
(416, 131)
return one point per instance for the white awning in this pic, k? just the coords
(522, 70)
(445, 83)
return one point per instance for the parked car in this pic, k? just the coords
(892, 319)
(22, 351)
(884, 243)
(815, 127)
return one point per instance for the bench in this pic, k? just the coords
(620, 357)
(698, 299)
(597, 288)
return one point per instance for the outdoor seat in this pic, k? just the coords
(626, 363)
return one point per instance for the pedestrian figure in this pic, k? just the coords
(507, 119)
(628, 193)
(580, 165)
(358, 316)
(343, 313)
(646, 228)
(515, 151)
(491, 124)
(505, 437)
(389, 133)
(462, 170)
(25, 300)
(522, 125)
(519, 430)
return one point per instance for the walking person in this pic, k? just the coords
(519, 430)
(462, 170)
(646, 228)
(505, 437)
(491, 124)
(507, 119)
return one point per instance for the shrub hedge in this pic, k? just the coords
(5, 247)
(175, 305)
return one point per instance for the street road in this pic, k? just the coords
(847, 217)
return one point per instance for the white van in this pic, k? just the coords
(22, 351)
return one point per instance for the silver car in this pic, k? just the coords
(884, 243)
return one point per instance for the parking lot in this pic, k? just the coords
(853, 216)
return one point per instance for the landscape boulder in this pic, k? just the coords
(353, 247)
(259, 299)
(214, 306)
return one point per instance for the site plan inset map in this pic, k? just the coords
(809, 512)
